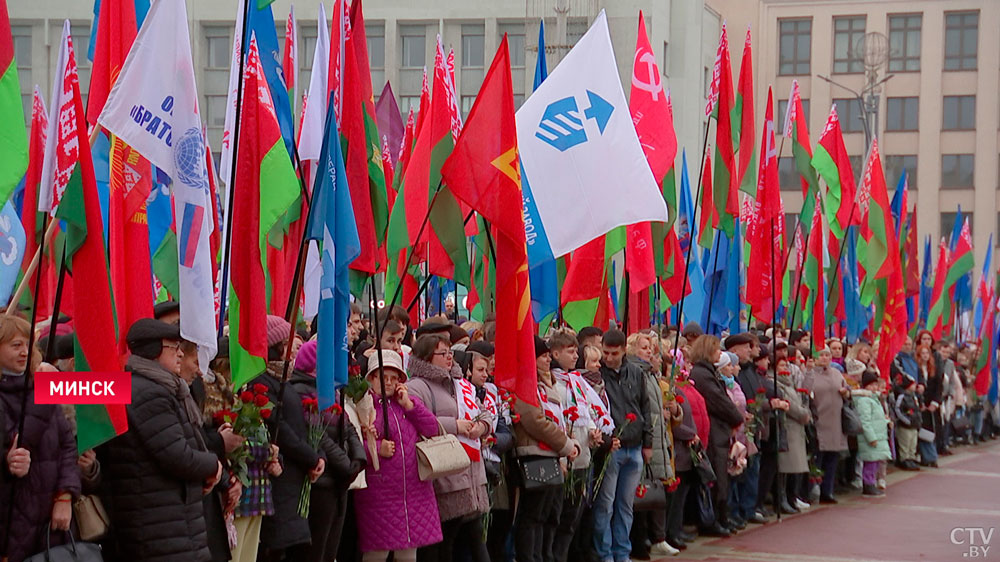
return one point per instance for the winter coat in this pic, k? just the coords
(825, 385)
(684, 432)
(343, 461)
(152, 477)
(661, 462)
(722, 412)
(397, 510)
(535, 435)
(699, 412)
(875, 427)
(47, 436)
(626, 392)
(906, 365)
(735, 393)
(795, 459)
(463, 493)
(285, 528)
(907, 410)
(580, 432)
(751, 380)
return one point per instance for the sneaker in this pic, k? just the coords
(801, 504)
(881, 483)
(757, 518)
(872, 490)
(663, 549)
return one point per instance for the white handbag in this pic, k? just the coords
(441, 456)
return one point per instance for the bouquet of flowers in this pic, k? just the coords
(572, 486)
(248, 417)
(317, 422)
(629, 418)
(755, 406)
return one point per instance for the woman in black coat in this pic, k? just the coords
(685, 434)
(155, 475)
(723, 416)
(40, 467)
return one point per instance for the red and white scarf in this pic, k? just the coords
(469, 410)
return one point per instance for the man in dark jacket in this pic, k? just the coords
(157, 472)
(629, 405)
(746, 346)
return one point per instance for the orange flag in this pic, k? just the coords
(483, 172)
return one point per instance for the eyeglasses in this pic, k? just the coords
(446, 353)
(176, 346)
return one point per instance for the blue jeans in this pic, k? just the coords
(613, 505)
(743, 490)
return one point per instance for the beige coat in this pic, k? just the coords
(795, 459)
(825, 385)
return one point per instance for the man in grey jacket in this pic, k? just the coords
(629, 405)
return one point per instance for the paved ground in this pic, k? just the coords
(922, 517)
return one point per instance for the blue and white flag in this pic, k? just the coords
(331, 221)
(12, 241)
(580, 149)
(687, 231)
(153, 107)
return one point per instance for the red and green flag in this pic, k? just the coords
(744, 129)
(13, 136)
(290, 58)
(267, 187)
(708, 219)
(987, 353)
(32, 219)
(834, 166)
(797, 131)
(935, 315)
(767, 234)
(86, 259)
(726, 179)
(813, 298)
(878, 251)
(585, 292)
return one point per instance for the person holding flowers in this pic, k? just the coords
(397, 512)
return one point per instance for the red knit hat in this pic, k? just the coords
(277, 329)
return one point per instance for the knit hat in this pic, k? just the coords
(305, 361)
(390, 360)
(869, 377)
(277, 329)
(723, 361)
(541, 348)
(692, 331)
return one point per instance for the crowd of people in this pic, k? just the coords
(637, 444)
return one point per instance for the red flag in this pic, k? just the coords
(339, 28)
(709, 217)
(483, 171)
(912, 278)
(725, 193)
(819, 301)
(31, 219)
(744, 97)
(116, 29)
(768, 237)
(940, 273)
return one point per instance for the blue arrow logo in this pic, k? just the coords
(562, 127)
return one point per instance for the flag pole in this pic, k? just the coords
(232, 173)
(381, 369)
(691, 243)
(27, 376)
(711, 294)
(776, 492)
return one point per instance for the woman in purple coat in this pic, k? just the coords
(397, 512)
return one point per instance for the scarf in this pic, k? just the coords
(155, 372)
(729, 381)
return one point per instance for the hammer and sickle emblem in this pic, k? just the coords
(654, 86)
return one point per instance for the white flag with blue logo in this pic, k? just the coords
(154, 108)
(581, 154)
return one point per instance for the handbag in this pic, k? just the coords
(91, 518)
(441, 456)
(960, 424)
(925, 435)
(703, 499)
(72, 552)
(850, 421)
(539, 472)
(702, 465)
(653, 493)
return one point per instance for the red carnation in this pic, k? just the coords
(260, 388)
(246, 396)
(679, 399)
(260, 400)
(751, 402)
(761, 390)
(630, 417)
(640, 491)
(335, 409)
(265, 413)
(515, 418)
(802, 390)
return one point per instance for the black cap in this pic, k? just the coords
(541, 348)
(434, 327)
(739, 339)
(147, 331)
(165, 308)
(481, 347)
(869, 377)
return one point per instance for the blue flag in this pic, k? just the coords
(994, 383)
(857, 315)
(734, 280)
(896, 206)
(331, 222)
(12, 241)
(963, 287)
(926, 283)
(261, 23)
(543, 275)
(686, 232)
(983, 284)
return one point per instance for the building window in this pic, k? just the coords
(575, 28)
(467, 102)
(666, 59)
(961, 40)
(414, 42)
(218, 46)
(795, 46)
(904, 42)
(515, 43)
(791, 225)
(857, 165)
(788, 176)
(473, 46)
(948, 223)
(895, 165)
(215, 111)
(848, 39)
(850, 115)
(957, 170)
(959, 113)
(902, 114)
(779, 117)
(406, 103)
(307, 48)
(375, 35)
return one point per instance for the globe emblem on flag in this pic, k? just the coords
(189, 159)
